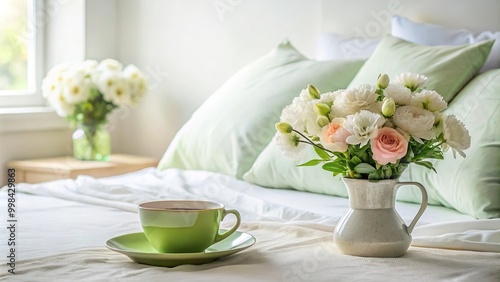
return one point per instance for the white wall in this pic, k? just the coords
(189, 48)
(372, 18)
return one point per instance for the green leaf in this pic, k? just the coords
(334, 167)
(311, 163)
(375, 175)
(387, 173)
(322, 154)
(426, 164)
(356, 160)
(364, 168)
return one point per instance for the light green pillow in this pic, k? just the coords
(227, 133)
(448, 68)
(272, 169)
(470, 185)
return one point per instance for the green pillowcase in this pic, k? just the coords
(228, 132)
(470, 185)
(272, 169)
(448, 68)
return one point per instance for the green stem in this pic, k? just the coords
(310, 142)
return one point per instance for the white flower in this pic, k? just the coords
(52, 83)
(105, 67)
(62, 107)
(137, 84)
(363, 126)
(110, 65)
(76, 86)
(415, 121)
(456, 136)
(353, 100)
(411, 81)
(90, 65)
(115, 88)
(289, 144)
(50, 87)
(429, 100)
(300, 114)
(330, 97)
(400, 94)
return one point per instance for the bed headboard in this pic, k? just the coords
(370, 18)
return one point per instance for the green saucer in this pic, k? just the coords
(138, 249)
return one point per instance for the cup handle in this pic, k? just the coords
(224, 235)
(423, 206)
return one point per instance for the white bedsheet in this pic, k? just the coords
(60, 219)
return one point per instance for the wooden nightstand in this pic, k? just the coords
(40, 170)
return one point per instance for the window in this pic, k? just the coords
(20, 50)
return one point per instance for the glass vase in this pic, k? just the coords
(91, 142)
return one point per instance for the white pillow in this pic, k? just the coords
(333, 46)
(431, 35)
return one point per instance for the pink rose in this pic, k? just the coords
(389, 146)
(333, 136)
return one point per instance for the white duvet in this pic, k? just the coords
(68, 221)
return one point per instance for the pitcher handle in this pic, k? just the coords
(423, 206)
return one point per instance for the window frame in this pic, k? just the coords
(31, 97)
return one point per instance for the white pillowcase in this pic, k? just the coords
(431, 35)
(333, 46)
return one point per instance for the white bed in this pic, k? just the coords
(63, 226)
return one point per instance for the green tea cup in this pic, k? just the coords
(184, 226)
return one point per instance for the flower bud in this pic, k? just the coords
(313, 91)
(322, 121)
(388, 107)
(383, 81)
(283, 127)
(322, 109)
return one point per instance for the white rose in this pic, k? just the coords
(429, 100)
(353, 100)
(417, 122)
(456, 136)
(411, 81)
(362, 126)
(400, 94)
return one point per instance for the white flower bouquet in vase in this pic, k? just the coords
(369, 135)
(86, 93)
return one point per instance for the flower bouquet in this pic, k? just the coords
(86, 93)
(372, 132)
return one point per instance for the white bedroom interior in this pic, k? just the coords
(289, 215)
